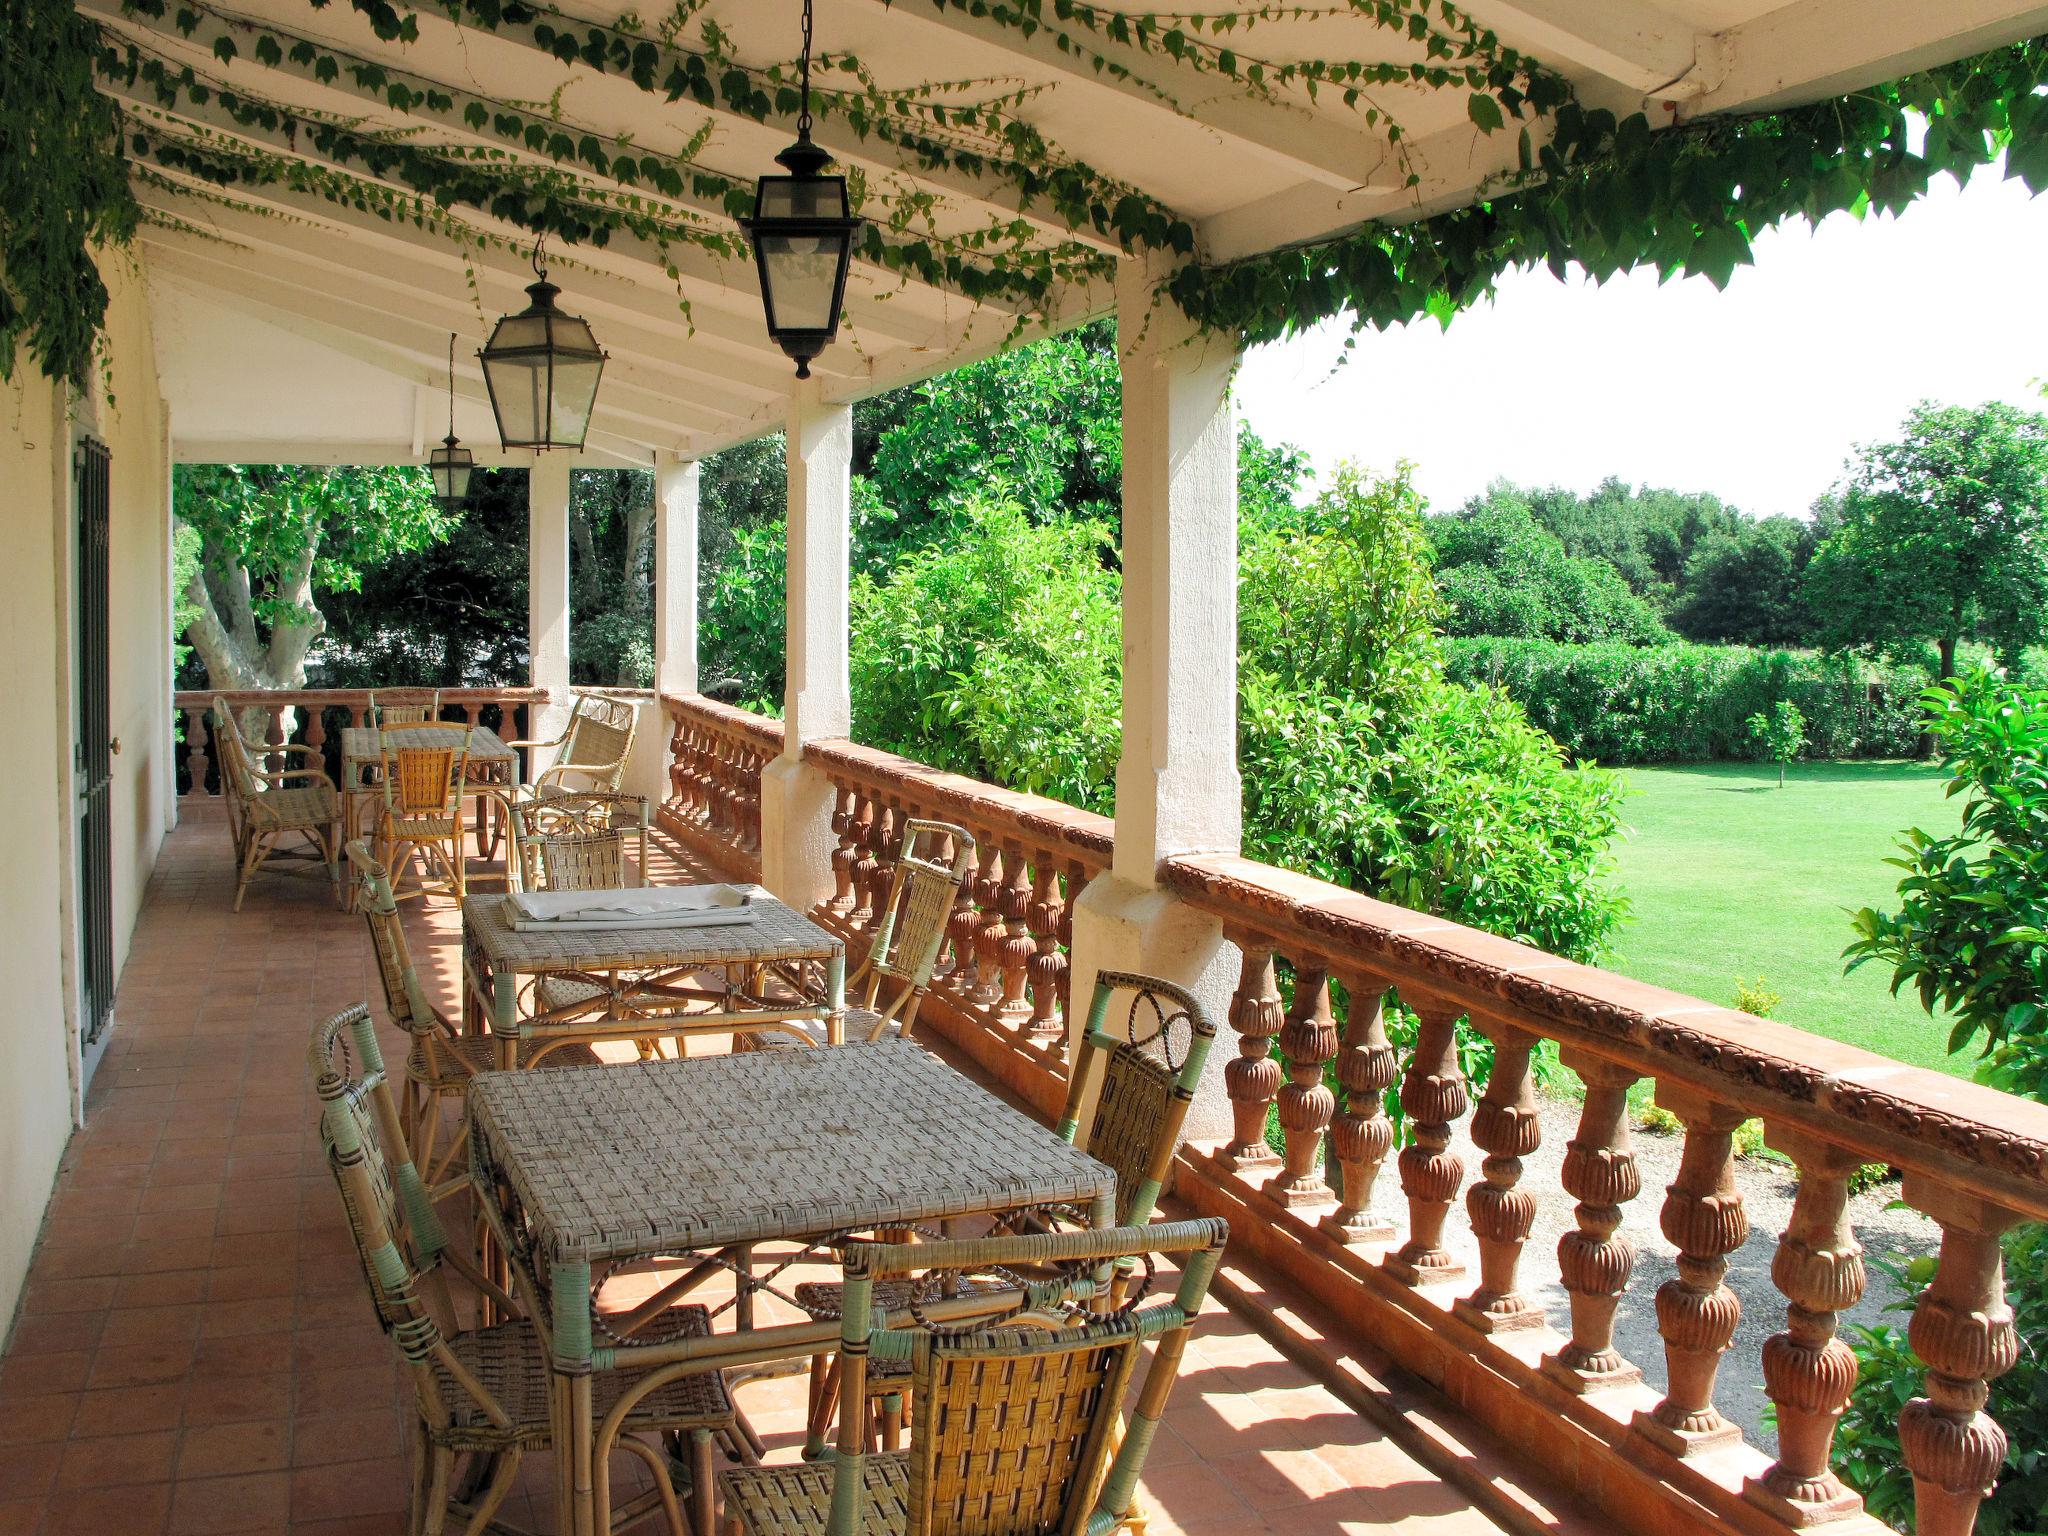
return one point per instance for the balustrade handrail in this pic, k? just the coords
(1964, 1134)
(200, 698)
(1086, 837)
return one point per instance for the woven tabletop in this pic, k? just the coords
(644, 1158)
(777, 932)
(363, 744)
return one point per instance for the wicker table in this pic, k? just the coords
(647, 983)
(599, 1165)
(492, 764)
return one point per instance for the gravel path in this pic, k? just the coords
(1767, 1190)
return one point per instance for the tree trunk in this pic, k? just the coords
(235, 655)
(638, 584)
(1925, 746)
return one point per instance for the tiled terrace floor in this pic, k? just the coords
(195, 1352)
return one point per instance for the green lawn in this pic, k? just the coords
(1728, 876)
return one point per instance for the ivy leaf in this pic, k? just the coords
(1484, 112)
(224, 49)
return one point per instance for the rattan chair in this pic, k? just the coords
(403, 706)
(423, 788)
(566, 819)
(441, 1061)
(1016, 1425)
(1136, 1100)
(890, 984)
(590, 753)
(267, 806)
(483, 1394)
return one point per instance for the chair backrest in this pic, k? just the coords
(911, 927)
(424, 774)
(1141, 1096)
(599, 737)
(568, 828)
(406, 706)
(1014, 1420)
(391, 1220)
(580, 861)
(403, 995)
(237, 777)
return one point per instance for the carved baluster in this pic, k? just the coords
(470, 712)
(1362, 1136)
(1595, 1261)
(1433, 1098)
(274, 736)
(1253, 1077)
(965, 922)
(197, 763)
(1696, 1312)
(861, 865)
(1505, 1128)
(316, 726)
(751, 824)
(845, 800)
(1808, 1372)
(1309, 1037)
(883, 834)
(988, 933)
(677, 772)
(1048, 969)
(1963, 1330)
(1076, 885)
(1017, 946)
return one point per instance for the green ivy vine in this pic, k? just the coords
(63, 191)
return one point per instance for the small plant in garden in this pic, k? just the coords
(1757, 997)
(1779, 736)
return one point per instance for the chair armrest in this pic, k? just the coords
(278, 776)
(530, 745)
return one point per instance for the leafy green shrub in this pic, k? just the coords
(1691, 703)
(1890, 1376)
(1971, 933)
(997, 654)
(1503, 573)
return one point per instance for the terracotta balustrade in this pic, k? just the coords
(312, 716)
(1439, 1274)
(716, 757)
(1976, 1161)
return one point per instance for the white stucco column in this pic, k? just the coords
(1177, 788)
(675, 574)
(547, 590)
(796, 800)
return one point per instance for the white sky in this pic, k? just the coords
(1756, 393)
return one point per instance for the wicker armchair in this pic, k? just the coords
(1140, 1101)
(559, 823)
(441, 1061)
(403, 706)
(592, 750)
(266, 806)
(1016, 1425)
(889, 985)
(483, 1394)
(423, 789)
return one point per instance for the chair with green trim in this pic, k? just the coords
(442, 1060)
(890, 984)
(388, 707)
(484, 1393)
(1136, 1099)
(590, 753)
(1015, 1427)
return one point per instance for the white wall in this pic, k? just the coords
(39, 1067)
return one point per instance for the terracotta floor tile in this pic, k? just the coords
(136, 1510)
(29, 1471)
(233, 1400)
(35, 1375)
(222, 1450)
(18, 1516)
(118, 1460)
(369, 1433)
(129, 1409)
(214, 1506)
(350, 1488)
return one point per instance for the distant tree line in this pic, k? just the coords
(1929, 543)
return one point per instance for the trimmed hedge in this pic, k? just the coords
(1615, 703)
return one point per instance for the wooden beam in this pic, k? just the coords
(1628, 41)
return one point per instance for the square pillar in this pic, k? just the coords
(796, 800)
(676, 484)
(547, 591)
(1177, 786)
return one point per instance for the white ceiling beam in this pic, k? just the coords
(1316, 146)
(606, 433)
(1628, 41)
(453, 119)
(728, 281)
(351, 234)
(630, 389)
(724, 350)
(1821, 48)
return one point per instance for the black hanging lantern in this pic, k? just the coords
(451, 463)
(542, 367)
(803, 239)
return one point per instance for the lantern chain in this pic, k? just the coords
(803, 120)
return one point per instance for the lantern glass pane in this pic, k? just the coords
(451, 473)
(802, 273)
(800, 197)
(519, 391)
(575, 397)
